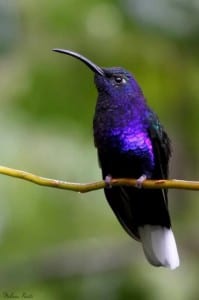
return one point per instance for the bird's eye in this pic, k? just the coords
(119, 79)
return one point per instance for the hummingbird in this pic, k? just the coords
(132, 143)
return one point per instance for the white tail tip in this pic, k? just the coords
(159, 246)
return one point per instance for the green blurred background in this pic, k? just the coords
(56, 244)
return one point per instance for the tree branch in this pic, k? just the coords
(88, 187)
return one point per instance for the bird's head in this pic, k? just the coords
(117, 81)
(113, 81)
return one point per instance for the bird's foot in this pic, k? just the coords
(107, 180)
(140, 181)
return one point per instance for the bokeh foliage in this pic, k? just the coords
(58, 244)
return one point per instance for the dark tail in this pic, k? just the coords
(144, 215)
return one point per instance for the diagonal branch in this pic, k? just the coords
(88, 187)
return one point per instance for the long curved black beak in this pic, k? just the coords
(85, 60)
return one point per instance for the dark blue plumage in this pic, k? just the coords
(131, 143)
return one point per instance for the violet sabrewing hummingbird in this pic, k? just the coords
(131, 143)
